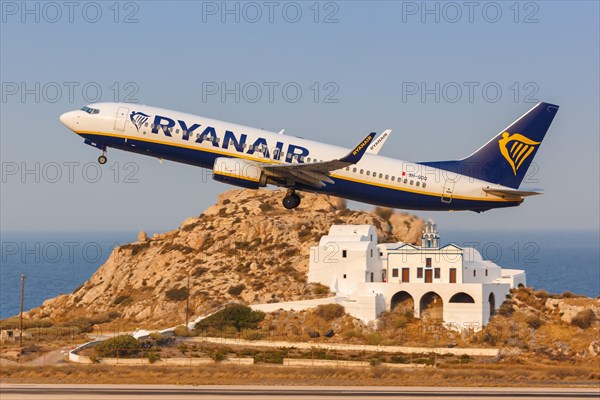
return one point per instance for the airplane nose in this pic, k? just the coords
(67, 119)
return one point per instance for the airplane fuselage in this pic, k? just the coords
(199, 141)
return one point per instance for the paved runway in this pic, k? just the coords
(113, 392)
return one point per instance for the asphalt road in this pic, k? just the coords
(94, 392)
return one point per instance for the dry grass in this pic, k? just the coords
(448, 375)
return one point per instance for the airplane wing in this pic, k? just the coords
(509, 192)
(377, 144)
(316, 173)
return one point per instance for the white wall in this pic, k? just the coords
(366, 307)
(444, 259)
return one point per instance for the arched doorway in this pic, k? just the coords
(402, 302)
(492, 301)
(432, 306)
(462, 297)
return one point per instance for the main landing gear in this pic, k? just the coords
(291, 199)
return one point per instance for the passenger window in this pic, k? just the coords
(354, 170)
(418, 183)
(411, 182)
(177, 130)
(361, 171)
(423, 184)
(368, 173)
(308, 159)
(387, 176)
(393, 178)
(381, 175)
(405, 180)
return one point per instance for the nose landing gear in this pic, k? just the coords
(102, 159)
(291, 200)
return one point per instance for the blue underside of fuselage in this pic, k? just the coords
(362, 192)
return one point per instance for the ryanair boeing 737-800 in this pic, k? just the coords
(252, 158)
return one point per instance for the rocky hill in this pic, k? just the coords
(246, 248)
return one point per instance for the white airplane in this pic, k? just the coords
(252, 158)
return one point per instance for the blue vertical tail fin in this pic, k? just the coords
(504, 160)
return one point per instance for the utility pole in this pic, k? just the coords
(187, 305)
(21, 313)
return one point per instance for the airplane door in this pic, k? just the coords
(448, 191)
(121, 118)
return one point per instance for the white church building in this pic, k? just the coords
(448, 282)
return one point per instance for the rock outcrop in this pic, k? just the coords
(245, 248)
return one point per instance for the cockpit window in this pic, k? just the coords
(90, 110)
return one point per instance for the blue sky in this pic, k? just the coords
(362, 57)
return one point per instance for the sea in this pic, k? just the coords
(57, 263)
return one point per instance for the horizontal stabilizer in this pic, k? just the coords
(509, 192)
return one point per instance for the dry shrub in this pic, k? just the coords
(181, 330)
(178, 294)
(384, 212)
(329, 312)
(584, 319)
(236, 290)
(533, 321)
(506, 309)
(373, 339)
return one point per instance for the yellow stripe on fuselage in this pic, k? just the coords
(237, 176)
(268, 161)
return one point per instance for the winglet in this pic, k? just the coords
(356, 154)
(377, 144)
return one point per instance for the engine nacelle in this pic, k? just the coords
(239, 172)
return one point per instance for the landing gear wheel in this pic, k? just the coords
(291, 201)
(102, 159)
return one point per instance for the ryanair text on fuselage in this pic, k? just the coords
(198, 133)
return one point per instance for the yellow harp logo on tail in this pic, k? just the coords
(516, 148)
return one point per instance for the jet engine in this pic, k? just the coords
(239, 172)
